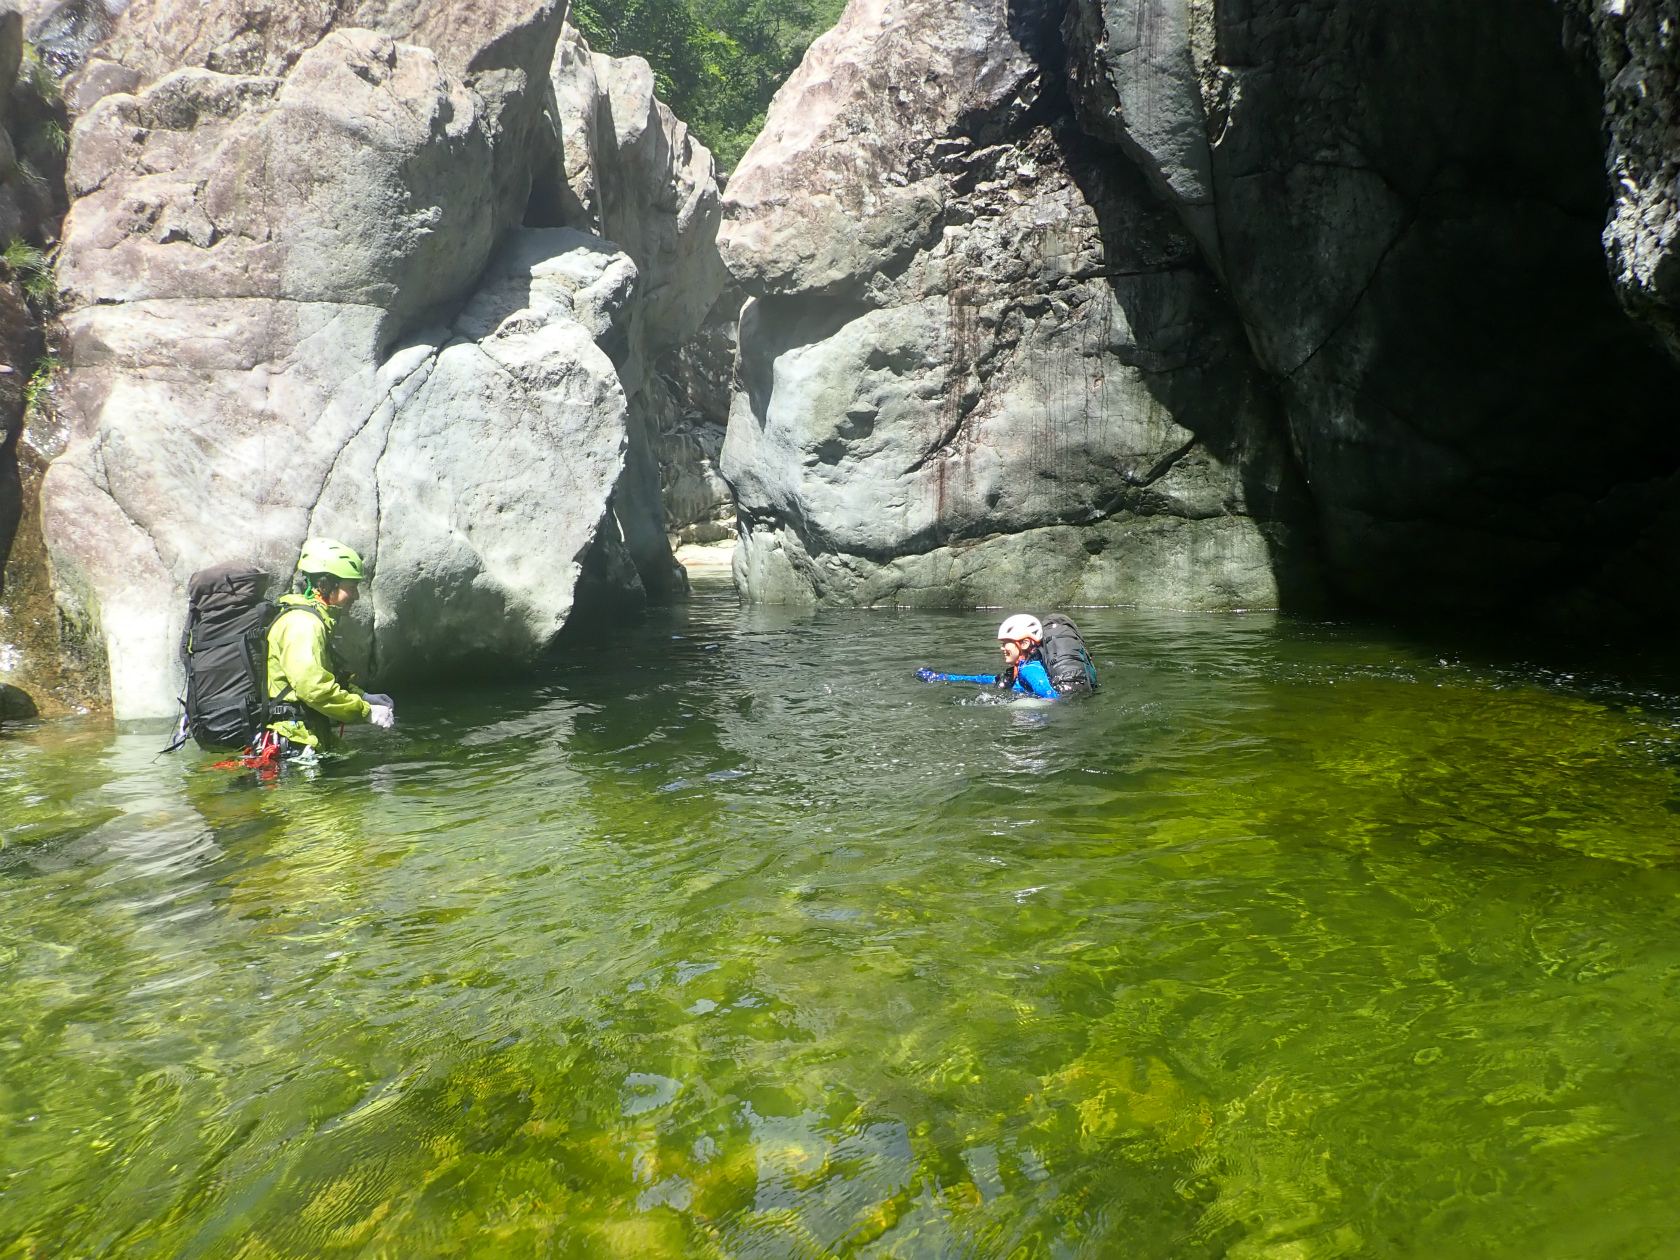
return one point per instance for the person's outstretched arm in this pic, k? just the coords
(985, 680)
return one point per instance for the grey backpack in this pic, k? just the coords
(1065, 657)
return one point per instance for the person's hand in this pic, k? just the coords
(379, 697)
(925, 674)
(384, 716)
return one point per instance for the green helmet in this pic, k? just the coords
(323, 555)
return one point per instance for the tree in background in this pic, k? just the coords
(716, 63)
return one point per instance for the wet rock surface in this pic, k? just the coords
(985, 360)
(1327, 277)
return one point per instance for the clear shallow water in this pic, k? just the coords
(730, 939)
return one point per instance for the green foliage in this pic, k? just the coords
(716, 63)
(56, 138)
(40, 379)
(32, 267)
(39, 75)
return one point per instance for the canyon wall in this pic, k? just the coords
(342, 270)
(984, 360)
(1202, 304)
(1208, 305)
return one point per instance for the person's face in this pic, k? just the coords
(344, 596)
(1012, 651)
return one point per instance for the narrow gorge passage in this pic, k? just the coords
(1321, 356)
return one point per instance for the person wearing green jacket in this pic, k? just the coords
(303, 674)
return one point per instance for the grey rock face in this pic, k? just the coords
(635, 176)
(699, 505)
(154, 38)
(985, 361)
(266, 274)
(1634, 45)
(289, 190)
(829, 194)
(507, 429)
(1313, 271)
(303, 303)
(642, 181)
(700, 379)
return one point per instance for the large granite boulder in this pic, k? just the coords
(1379, 226)
(301, 302)
(329, 270)
(636, 176)
(985, 361)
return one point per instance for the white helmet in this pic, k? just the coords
(1021, 626)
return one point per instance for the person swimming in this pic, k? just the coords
(1019, 639)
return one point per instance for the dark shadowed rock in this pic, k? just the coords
(11, 491)
(1405, 202)
(1379, 226)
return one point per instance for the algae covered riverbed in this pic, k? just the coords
(729, 939)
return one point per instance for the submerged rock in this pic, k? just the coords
(984, 361)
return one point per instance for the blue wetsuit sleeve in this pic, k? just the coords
(1036, 679)
(928, 675)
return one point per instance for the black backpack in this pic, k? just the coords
(1065, 658)
(225, 652)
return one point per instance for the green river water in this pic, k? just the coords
(728, 939)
